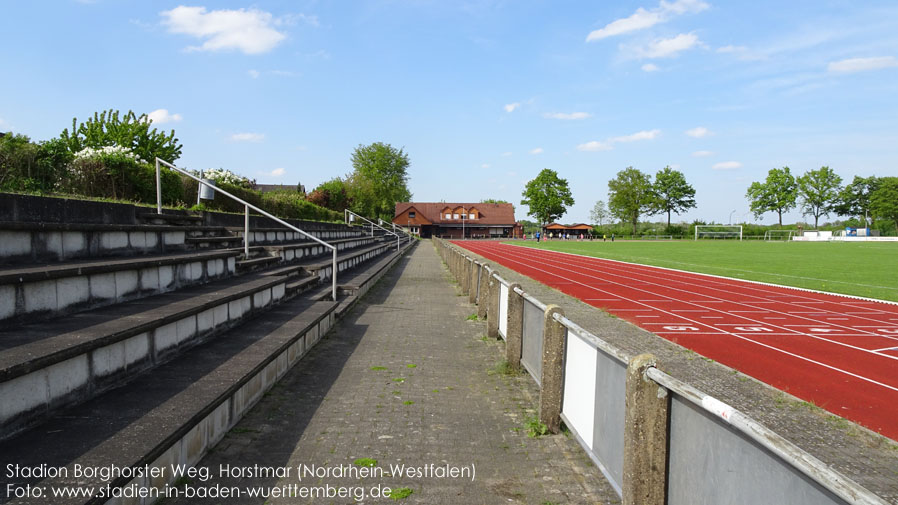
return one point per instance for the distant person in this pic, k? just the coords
(604, 237)
(537, 236)
(612, 237)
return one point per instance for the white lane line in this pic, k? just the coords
(550, 260)
(725, 282)
(566, 266)
(740, 337)
(634, 270)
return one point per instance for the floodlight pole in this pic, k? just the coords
(731, 216)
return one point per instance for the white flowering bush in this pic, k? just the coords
(107, 151)
(220, 175)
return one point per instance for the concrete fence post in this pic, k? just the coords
(486, 287)
(645, 436)
(492, 312)
(552, 383)
(474, 277)
(514, 330)
(466, 275)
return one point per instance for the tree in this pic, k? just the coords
(854, 199)
(331, 195)
(547, 196)
(131, 131)
(672, 192)
(776, 194)
(378, 181)
(630, 195)
(599, 213)
(884, 200)
(819, 192)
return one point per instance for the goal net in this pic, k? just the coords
(718, 231)
(781, 235)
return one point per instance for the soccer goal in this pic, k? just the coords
(718, 231)
(777, 235)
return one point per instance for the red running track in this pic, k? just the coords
(837, 352)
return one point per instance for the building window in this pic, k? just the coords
(411, 215)
(464, 216)
(455, 216)
(448, 216)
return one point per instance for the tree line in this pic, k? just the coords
(112, 154)
(820, 193)
(632, 194)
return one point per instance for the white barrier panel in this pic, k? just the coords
(503, 310)
(578, 404)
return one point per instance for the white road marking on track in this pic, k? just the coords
(741, 337)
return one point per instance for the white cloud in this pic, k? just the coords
(248, 30)
(852, 65)
(506, 153)
(277, 172)
(608, 144)
(643, 18)
(664, 48)
(160, 116)
(727, 165)
(247, 137)
(538, 150)
(702, 154)
(485, 166)
(650, 67)
(643, 135)
(510, 107)
(731, 49)
(595, 145)
(567, 115)
(253, 73)
(3, 123)
(699, 132)
(310, 20)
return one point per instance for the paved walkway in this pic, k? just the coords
(404, 379)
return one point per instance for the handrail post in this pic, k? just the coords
(246, 232)
(334, 277)
(158, 189)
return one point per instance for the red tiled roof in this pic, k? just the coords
(489, 213)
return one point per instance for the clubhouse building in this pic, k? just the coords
(457, 220)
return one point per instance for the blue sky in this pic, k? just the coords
(481, 94)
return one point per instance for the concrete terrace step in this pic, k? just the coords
(59, 288)
(72, 359)
(175, 414)
(324, 231)
(177, 218)
(249, 265)
(321, 266)
(29, 242)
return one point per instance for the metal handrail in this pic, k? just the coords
(403, 230)
(347, 216)
(246, 207)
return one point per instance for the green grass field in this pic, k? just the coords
(863, 269)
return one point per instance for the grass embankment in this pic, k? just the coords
(867, 269)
